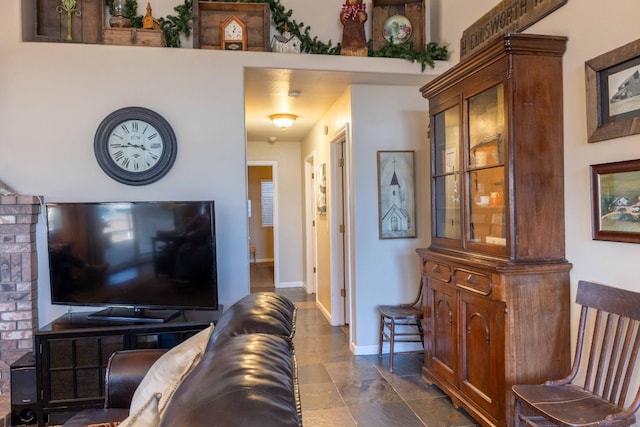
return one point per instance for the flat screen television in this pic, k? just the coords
(145, 261)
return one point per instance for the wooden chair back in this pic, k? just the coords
(609, 356)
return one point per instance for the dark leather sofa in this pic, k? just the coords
(247, 375)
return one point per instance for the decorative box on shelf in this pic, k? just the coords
(134, 37)
(389, 16)
(80, 23)
(211, 15)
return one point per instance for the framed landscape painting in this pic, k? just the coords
(396, 195)
(616, 201)
(613, 93)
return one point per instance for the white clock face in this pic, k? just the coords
(233, 31)
(135, 145)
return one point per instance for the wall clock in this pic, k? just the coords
(135, 146)
(233, 34)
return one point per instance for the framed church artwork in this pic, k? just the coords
(396, 195)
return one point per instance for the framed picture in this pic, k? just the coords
(321, 194)
(396, 195)
(616, 201)
(613, 93)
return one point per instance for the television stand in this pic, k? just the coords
(72, 353)
(141, 315)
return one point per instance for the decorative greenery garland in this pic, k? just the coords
(173, 26)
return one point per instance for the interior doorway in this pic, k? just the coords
(262, 218)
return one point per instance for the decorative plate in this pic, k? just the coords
(397, 28)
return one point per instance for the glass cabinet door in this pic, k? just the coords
(447, 176)
(485, 167)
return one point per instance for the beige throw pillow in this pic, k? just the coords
(145, 416)
(167, 372)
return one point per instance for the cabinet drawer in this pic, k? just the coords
(437, 271)
(473, 281)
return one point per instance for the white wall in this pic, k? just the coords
(289, 208)
(592, 29)
(387, 271)
(54, 95)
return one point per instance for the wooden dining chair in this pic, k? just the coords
(598, 391)
(401, 323)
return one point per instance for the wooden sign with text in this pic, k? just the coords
(507, 16)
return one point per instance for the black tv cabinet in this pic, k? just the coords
(72, 353)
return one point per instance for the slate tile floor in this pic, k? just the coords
(339, 389)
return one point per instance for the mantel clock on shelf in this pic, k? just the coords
(233, 34)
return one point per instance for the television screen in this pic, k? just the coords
(142, 255)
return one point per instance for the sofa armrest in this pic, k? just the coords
(125, 371)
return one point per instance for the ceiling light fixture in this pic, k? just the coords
(283, 121)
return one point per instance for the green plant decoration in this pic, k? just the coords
(174, 26)
(432, 52)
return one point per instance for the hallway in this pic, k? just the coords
(339, 389)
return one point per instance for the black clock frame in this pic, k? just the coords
(160, 169)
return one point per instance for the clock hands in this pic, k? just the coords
(136, 146)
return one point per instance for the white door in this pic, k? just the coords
(311, 261)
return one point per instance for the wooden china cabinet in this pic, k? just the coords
(495, 278)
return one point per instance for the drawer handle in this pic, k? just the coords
(472, 279)
(436, 269)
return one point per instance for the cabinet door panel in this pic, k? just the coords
(76, 367)
(443, 356)
(482, 350)
(446, 177)
(63, 388)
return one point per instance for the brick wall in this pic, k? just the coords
(18, 281)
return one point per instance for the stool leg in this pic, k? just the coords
(392, 333)
(381, 337)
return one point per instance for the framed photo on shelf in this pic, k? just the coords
(396, 195)
(613, 93)
(616, 201)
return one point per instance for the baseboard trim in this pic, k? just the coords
(366, 350)
(290, 285)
